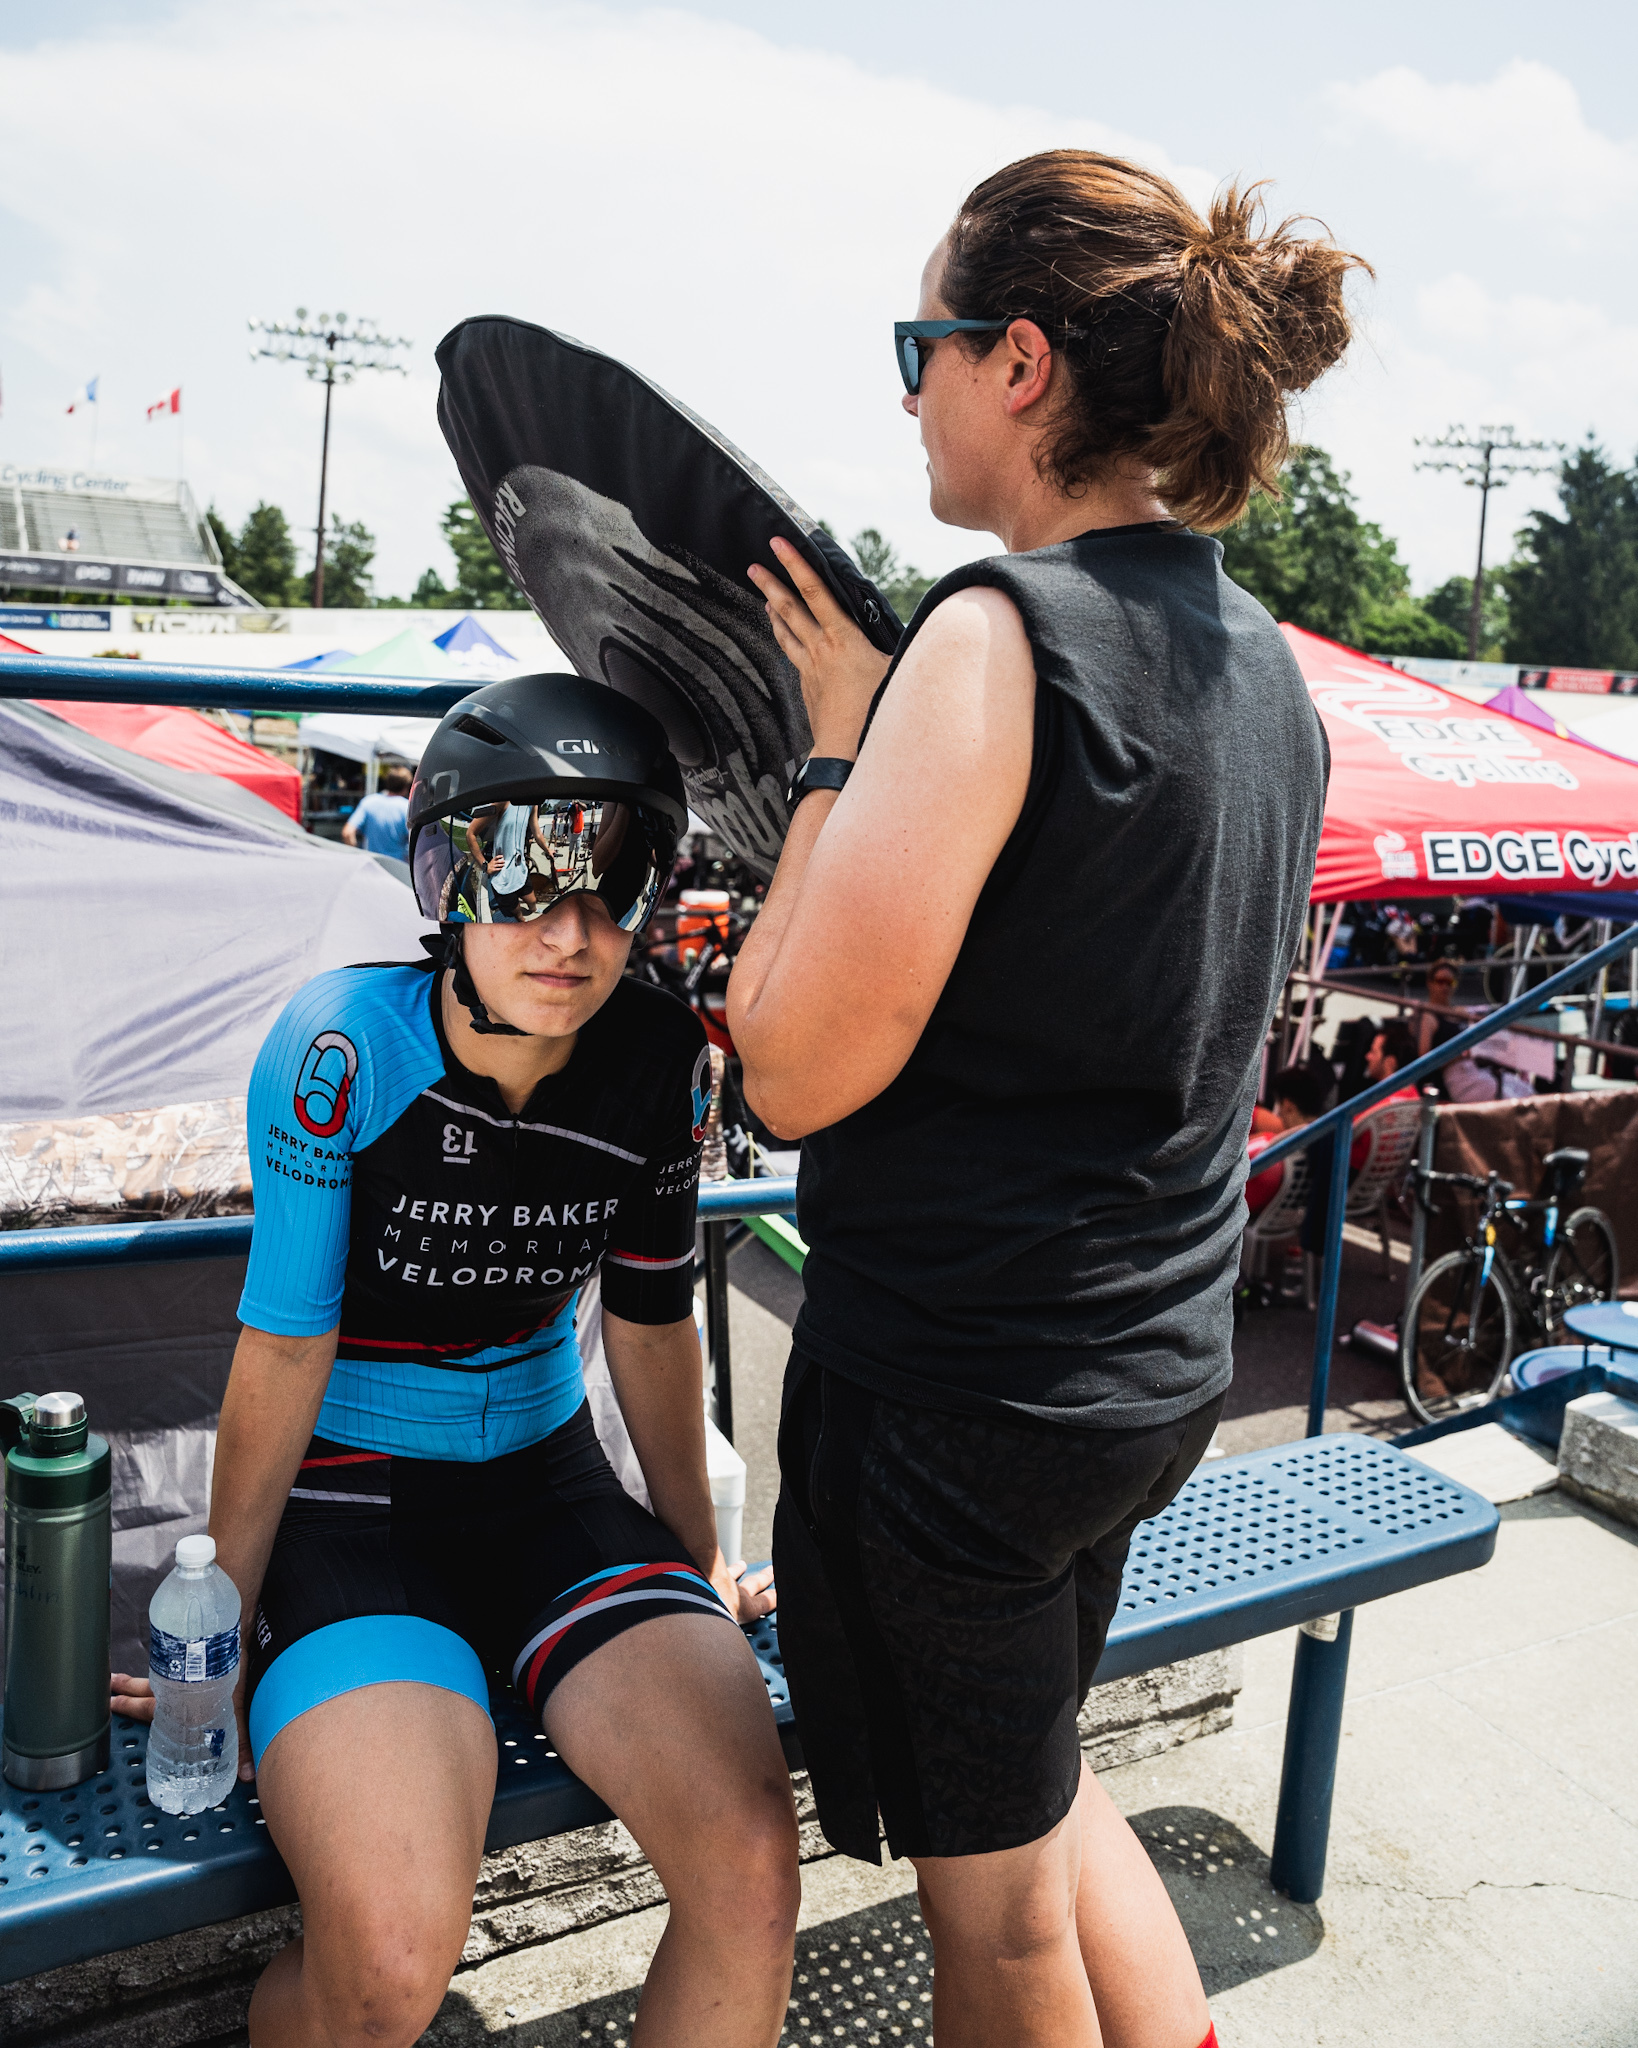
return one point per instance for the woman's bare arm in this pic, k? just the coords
(273, 1397)
(875, 887)
(658, 1378)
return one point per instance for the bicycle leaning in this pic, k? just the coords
(1474, 1310)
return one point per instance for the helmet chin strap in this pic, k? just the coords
(448, 951)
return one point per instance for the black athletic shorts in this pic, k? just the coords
(946, 1583)
(454, 1574)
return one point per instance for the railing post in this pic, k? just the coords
(716, 1326)
(1425, 1135)
(1325, 1324)
(714, 1169)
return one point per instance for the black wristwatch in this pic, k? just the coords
(818, 771)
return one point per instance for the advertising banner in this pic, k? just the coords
(1432, 796)
(152, 580)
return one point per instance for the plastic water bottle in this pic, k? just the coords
(193, 1660)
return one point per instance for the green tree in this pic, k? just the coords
(226, 544)
(481, 584)
(349, 549)
(1451, 603)
(431, 594)
(267, 556)
(903, 585)
(1310, 558)
(1572, 585)
(261, 557)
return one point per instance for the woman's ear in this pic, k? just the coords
(1028, 360)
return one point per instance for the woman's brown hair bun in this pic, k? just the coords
(1183, 337)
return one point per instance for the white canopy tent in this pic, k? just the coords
(368, 737)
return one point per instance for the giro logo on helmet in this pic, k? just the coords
(578, 747)
(701, 1092)
(325, 1083)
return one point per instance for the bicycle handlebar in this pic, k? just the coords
(1476, 1183)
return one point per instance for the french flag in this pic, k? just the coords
(165, 405)
(85, 396)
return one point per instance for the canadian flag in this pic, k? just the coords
(163, 405)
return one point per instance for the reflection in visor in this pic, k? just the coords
(509, 863)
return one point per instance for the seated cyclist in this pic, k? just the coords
(408, 1491)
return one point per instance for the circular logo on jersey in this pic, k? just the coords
(700, 1092)
(325, 1083)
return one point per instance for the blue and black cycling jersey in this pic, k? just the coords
(398, 1196)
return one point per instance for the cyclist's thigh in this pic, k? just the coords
(378, 1800)
(669, 1723)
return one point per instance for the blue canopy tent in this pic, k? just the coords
(466, 636)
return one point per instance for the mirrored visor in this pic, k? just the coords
(508, 863)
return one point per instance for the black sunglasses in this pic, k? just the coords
(908, 335)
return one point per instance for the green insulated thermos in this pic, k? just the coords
(59, 1552)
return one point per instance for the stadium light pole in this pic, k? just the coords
(332, 354)
(1486, 461)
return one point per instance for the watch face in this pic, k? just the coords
(629, 524)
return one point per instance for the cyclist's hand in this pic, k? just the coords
(132, 1697)
(840, 670)
(747, 1595)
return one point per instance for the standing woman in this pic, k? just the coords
(1011, 985)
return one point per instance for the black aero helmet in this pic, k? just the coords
(538, 787)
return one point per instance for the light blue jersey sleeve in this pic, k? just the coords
(349, 1053)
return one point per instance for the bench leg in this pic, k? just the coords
(1308, 1777)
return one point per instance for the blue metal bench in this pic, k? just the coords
(1251, 1545)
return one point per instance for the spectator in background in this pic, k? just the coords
(1393, 1047)
(1434, 1030)
(381, 822)
(1299, 1097)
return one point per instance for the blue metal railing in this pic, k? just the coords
(1338, 1125)
(152, 682)
(207, 689)
(226, 1237)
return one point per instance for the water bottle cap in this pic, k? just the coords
(194, 1553)
(58, 1411)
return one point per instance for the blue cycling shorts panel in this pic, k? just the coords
(368, 1649)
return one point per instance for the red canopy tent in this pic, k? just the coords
(182, 739)
(1433, 796)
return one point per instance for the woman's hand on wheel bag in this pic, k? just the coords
(840, 670)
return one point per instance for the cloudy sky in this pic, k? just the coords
(737, 198)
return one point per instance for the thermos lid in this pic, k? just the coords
(58, 1411)
(195, 1553)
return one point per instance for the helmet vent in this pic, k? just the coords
(477, 730)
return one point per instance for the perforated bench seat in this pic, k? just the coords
(1251, 1545)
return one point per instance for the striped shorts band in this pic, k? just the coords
(606, 1604)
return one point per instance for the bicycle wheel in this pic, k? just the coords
(1584, 1267)
(1457, 1338)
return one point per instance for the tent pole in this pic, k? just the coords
(1523, 944)
(1319, 957)
(1600, 988)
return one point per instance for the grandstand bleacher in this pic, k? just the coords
(135, 536)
